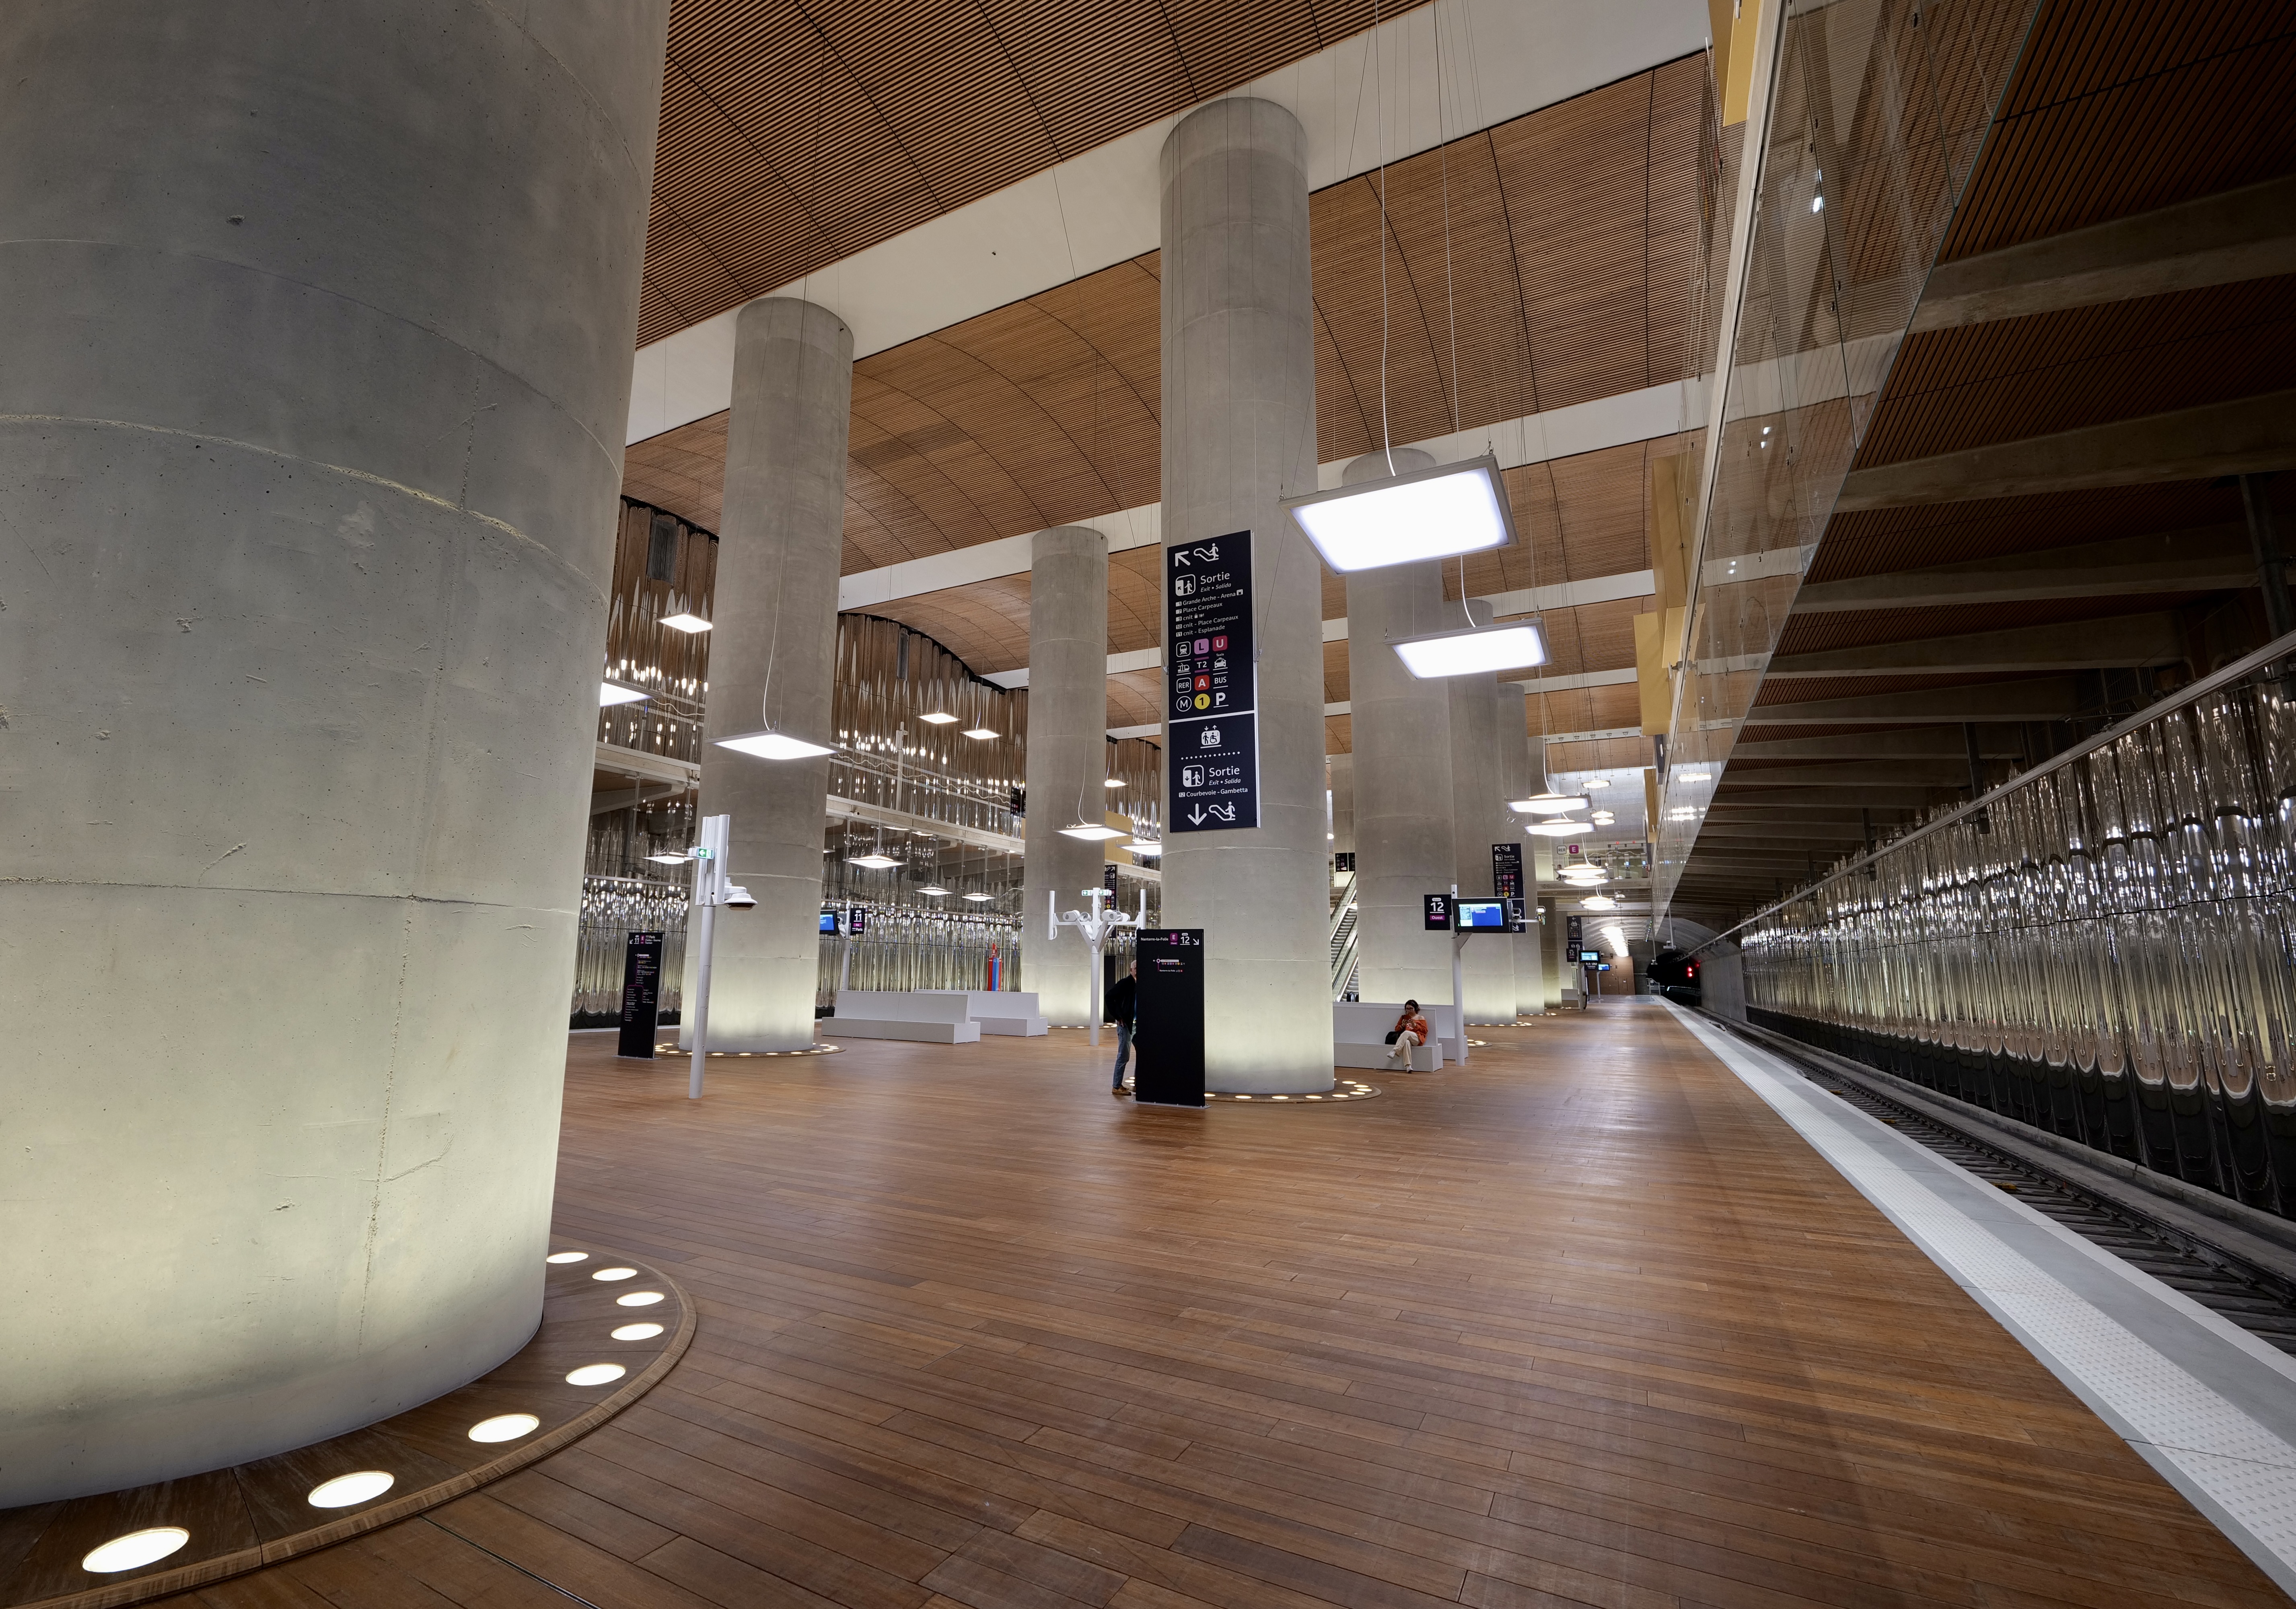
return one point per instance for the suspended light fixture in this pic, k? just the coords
(876, 860)
(692, 625)
(1598, 902)
(1148, 848)
(979, 897)
(1553, 829)
(940, 717)
(1111, 782)
(1091, 833)
(670, 859)
(935, 889)
(1549, 804)
(611, 694)
(1421, 514)
(978, 734)
(1694, 776)
(1592, 783)
(1473, 649)
(772, 745)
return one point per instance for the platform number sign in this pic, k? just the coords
(1211, 676)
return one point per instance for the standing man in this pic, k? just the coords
(1122, 1001)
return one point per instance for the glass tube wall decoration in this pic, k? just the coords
(2106, 947)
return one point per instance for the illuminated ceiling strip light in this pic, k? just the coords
(1090, 834)
(611, 694)
(690, 624)
(1423, 513)
(1474, 650)
(772, 745)
(940, 717)
(1548, 804)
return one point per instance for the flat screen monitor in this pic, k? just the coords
(1588, 957)
(829, 922)
(1485, 915)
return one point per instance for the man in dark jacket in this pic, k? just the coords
(1122, 1003)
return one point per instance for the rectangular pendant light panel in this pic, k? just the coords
(1420, 514)
(1480, 649)
(771, 745)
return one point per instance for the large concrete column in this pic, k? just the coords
(1402, 733)
(1340, 779)
(1239, 434)
(1517, 782)
(772, 658)
(1487, 963)
(1068, 757)
(317, 323)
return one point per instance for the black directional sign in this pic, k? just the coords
(640, 995)
(1211, 680)
(1506, 871)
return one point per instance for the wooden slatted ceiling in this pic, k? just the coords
(1865, 628)
(1572, 229)
(2128, 105)
(2020, 377)
(1874, 541)
(794, 134)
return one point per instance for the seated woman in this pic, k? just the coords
(1409, 1033)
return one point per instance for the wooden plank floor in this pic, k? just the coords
(1583, 1323)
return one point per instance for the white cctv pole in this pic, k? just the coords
(1458, 974)
(708, 893)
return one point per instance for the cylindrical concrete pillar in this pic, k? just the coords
(1239, 435)
(1487, 969)
(1068, 759)
(1402, 739)
(1516, 782)
(773, 656)
(1340, 782)
(318, 323)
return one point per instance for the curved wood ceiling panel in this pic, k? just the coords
(797, 132)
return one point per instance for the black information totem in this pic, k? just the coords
(1211, 766)
(1437, 908)
(640, 995)
(1169, 1030)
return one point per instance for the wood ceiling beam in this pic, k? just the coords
(2250, 435)
(2211, 558)
(1741, 792)
(2113, 643)
(1896, 775)
(2043, 698)
(1921, 743)
(2214, 240)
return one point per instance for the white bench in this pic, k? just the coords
(875, 1014)
(1359, 1031)
(1000, 1011)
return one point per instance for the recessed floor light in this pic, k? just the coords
(638, 1332)
(615, 1273)
(135, 1550)
(568, 1257)
(504, 1427)
(638, 1298)
(344, 1491)
(597, 1374)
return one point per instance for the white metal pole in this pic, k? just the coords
(1096, 989)
(701, 1002)
(1458, 975)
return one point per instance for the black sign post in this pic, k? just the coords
(1438, 913)
(1169, 1034)
(1211, 764)
(1108, 876)
(640, 995)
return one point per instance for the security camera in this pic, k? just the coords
(739, 896)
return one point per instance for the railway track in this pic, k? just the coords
(2259, 1299)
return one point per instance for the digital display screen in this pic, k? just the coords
(857, 921)
(829, 922)
(1588, 957)
(1488, 915)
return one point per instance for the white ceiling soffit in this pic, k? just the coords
(1101, 208)
(1564, 433)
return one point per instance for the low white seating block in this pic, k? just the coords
(1359, 1034)
(1000, 1011)
(929, 1018)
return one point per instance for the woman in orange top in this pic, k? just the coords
(1410, 1033)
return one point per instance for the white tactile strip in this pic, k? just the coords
(2241, 1473)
